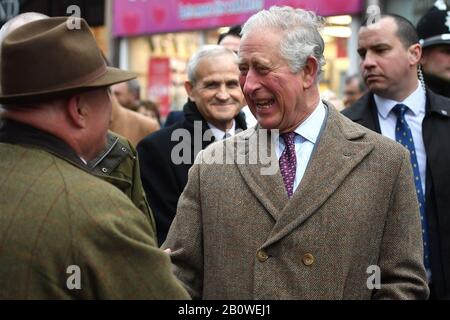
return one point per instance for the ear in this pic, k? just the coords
(77, 111)
(424, 57)
(310, 72)
(414, 54)
(189, 88)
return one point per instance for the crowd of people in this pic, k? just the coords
(92, 181)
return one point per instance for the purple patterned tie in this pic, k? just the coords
(288, 162)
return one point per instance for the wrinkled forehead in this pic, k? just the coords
(259, 44)
(223, 59)
(216, 65)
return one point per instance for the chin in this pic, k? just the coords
(379, 90)
(267, 124)
(225, 117)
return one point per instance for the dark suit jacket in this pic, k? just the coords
(163, 180)
(174, 117)
(436, 137)
(437, 85)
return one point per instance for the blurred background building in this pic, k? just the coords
(156, 38)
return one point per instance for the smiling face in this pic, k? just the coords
(273, 92)
(216, 91)
(388, 67)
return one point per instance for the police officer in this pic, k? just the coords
(434, 31)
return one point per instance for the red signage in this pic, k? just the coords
(159, 83)
(135, 17)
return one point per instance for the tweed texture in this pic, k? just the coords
(355, 207)
(119, 165)
(54, 215)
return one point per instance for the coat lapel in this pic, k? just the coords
(335, 157)
(268, 188)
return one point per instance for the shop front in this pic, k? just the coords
(157, 38)
(91, 10)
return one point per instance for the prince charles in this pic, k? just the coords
(338, 220)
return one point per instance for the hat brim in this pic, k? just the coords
(110, 77)
(436, 40)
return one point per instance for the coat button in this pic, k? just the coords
(308, 259)
(262, 256)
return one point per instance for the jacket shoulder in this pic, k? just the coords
(358, 109)
(439, 103)
(161, 139)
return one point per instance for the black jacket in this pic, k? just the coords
(437, 85)
(436, 137)
(163, 180)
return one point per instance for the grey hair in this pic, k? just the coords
(134, 87)
(301, 38)
(207, 51)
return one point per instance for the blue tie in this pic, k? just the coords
(404, 136)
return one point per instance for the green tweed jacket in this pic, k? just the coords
(65, 234)
(119, 165)
(350, 231)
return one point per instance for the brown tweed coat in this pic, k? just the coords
(54, 215)
(237, 236)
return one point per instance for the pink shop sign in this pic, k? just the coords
(138, 17)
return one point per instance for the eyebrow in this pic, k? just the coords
(254, 61)
(376, 46)
(212, 81)
(382, 44)
(241, 60)
(232, 81)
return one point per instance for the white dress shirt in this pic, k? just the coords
(414, 117)
(219, 134)
(249, 117)
(305, 139)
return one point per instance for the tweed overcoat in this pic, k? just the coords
(65, 234)
(236, 234)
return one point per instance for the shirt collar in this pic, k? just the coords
(218, 134)
(310, 128)
(415, 102)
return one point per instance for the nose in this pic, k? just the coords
(368, 61)
(250, 83)
(223, 94)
